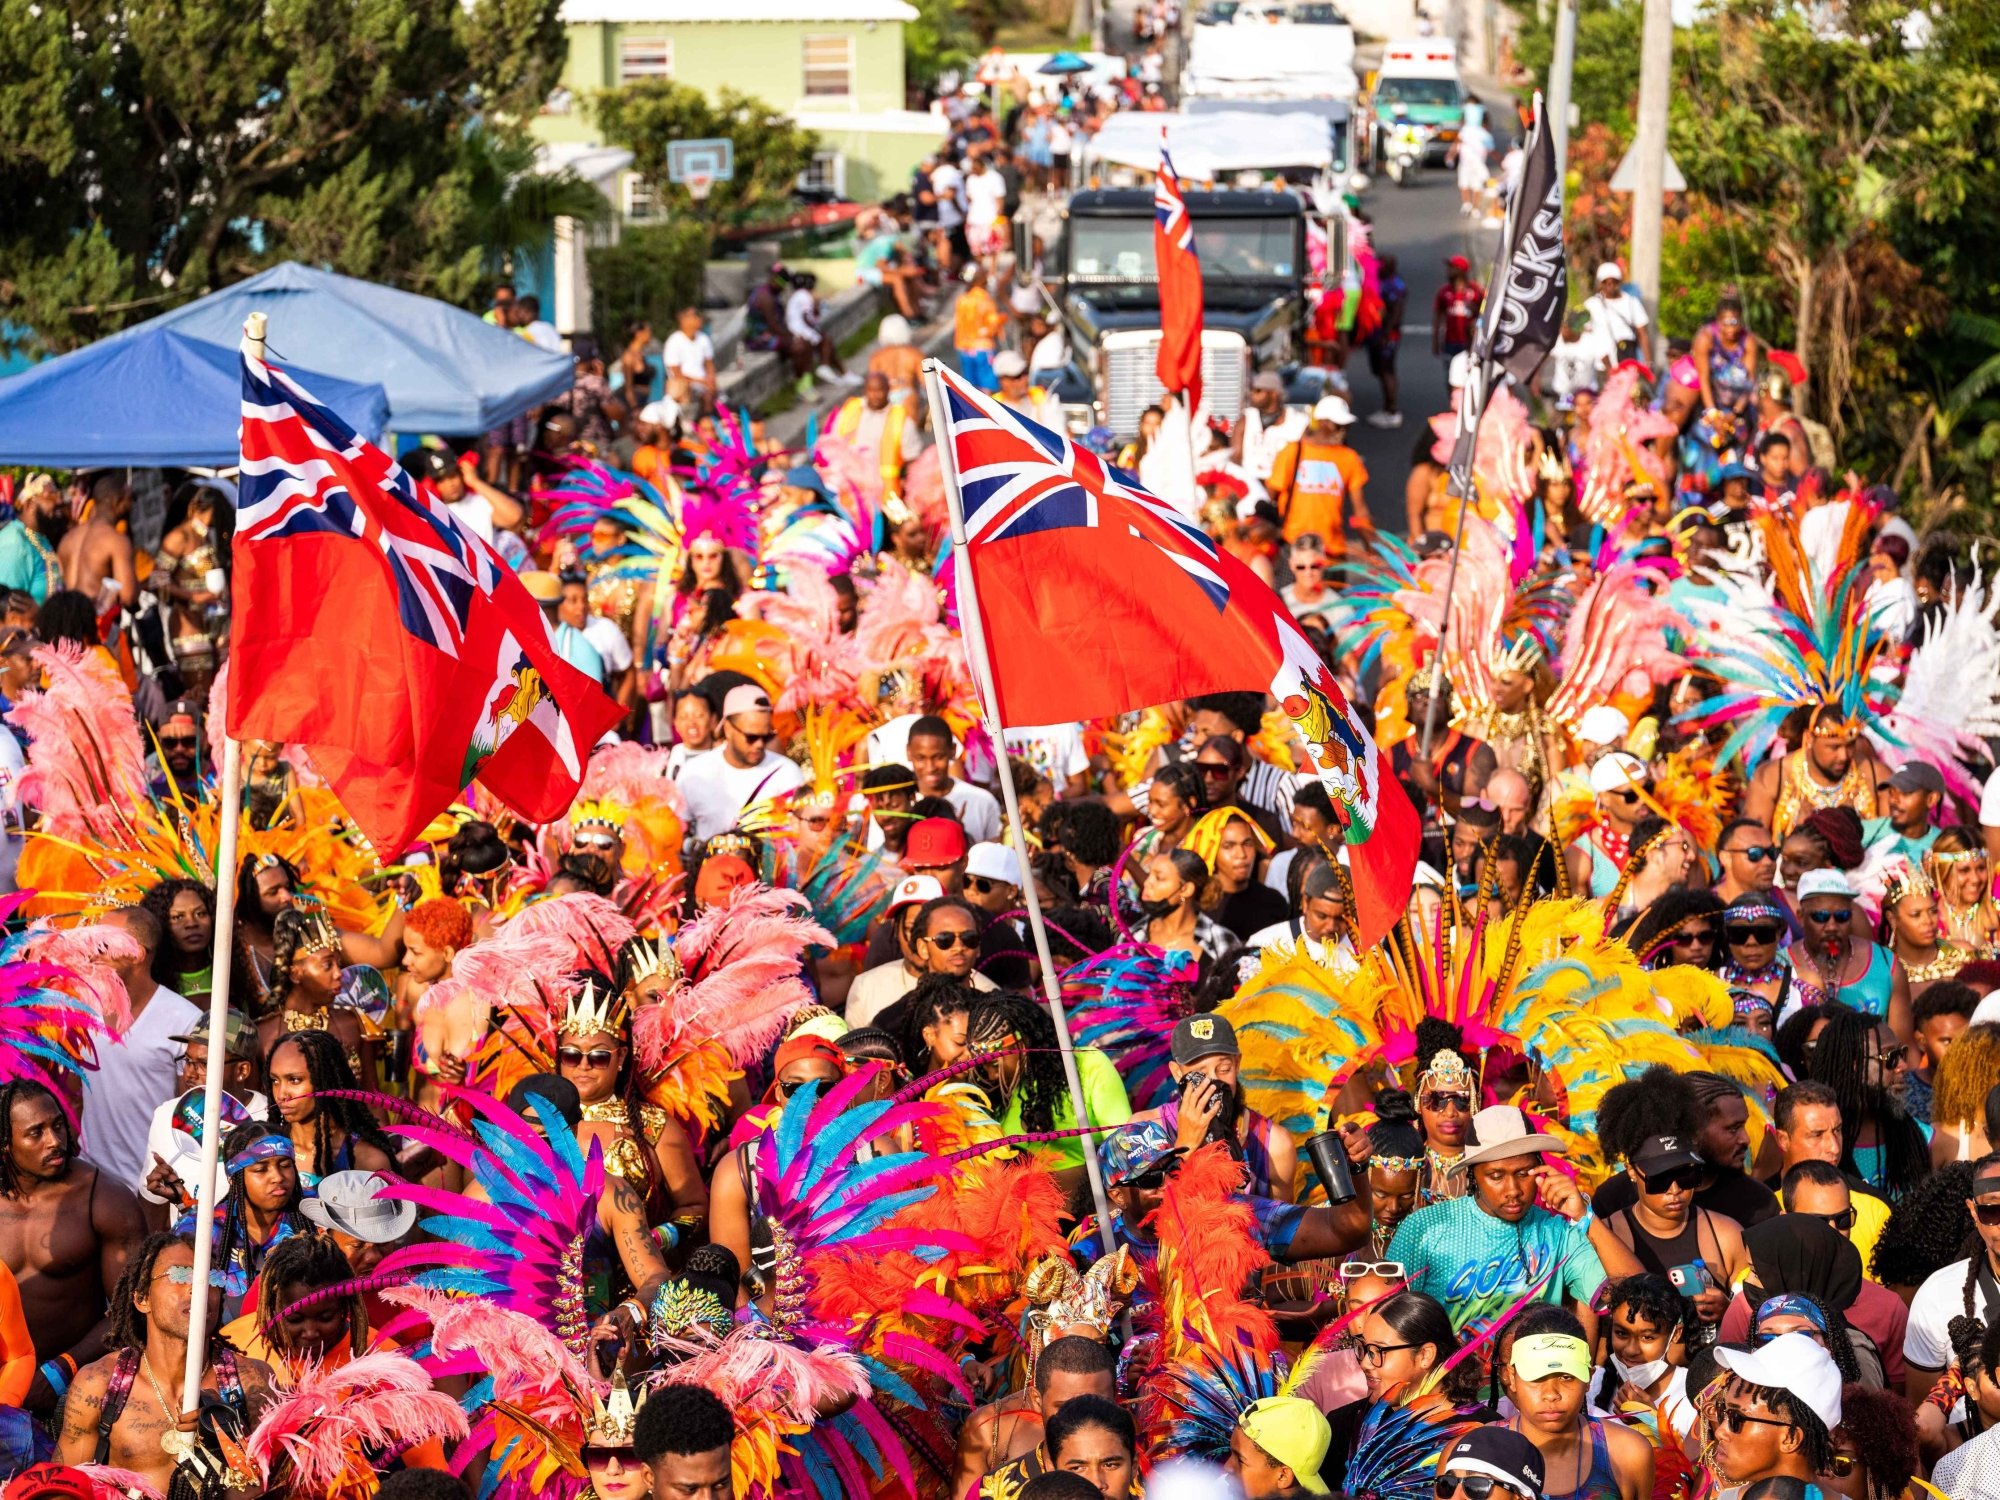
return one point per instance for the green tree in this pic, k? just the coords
(771, 150)
(649, 275)
(149, 153)
(937, 41)
(1604, 84)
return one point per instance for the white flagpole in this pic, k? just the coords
(974, 626)
(218, 1028)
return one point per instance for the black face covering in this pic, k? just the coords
(1156, 909)
(1799, 1253)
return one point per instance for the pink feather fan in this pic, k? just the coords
(86, 765)
(742, 968)
(823, 664)
(531, 1367)
(326, 1431)
(88, 953)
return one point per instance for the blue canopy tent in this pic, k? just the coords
(151, 398)
(445, 370)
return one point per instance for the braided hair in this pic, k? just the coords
(289, 930)
(1840, 1060)
(1184, 781)
(13, 1092)
(235, 1232)
(1929, 1228)
(126, 1325)
(1976, 1256)
(326, 1068)
(1395, 1131)
(935, 997)
(1652, 932)
(1043, 1085)
(249, 907)
(311, 1260)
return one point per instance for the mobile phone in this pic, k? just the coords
(1692, 1279)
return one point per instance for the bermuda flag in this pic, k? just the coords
(1179, 361)
(374, 628)
(1095, 597)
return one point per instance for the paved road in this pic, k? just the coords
(1419, 225)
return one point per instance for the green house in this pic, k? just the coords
(836, 66)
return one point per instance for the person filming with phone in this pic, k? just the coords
(1208, 1105)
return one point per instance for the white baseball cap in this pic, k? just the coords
(1826, 883)
(1009, 363)
(915, 890)
(1460, 369)
(662, 413)
(1333, 409)
(1610, 269)
(745, 698)
(894, 329)
(1616, 772)
(1790, 1362)
(991, 861)
(1603, 725)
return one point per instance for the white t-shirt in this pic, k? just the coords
(800, 319)
(610, 641)
(134, 1075)
(875, 990)
(1055, 750)
(1579, 362)
(1262, 445)
(1927, 1340)
(717, 791)
(476, 511)
(690, 357)
(542, 334)
(947, 182)
(1989, 802)
(174, 1146)
(1051, 352)
(1618, 319)
(978, 809)
(985, 196)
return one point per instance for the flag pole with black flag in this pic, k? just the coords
(1522, 318)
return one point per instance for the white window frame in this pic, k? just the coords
(640, 206)
(647, 46)
(828, 169)
(807, 67)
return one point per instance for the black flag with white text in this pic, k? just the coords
(1531, 291)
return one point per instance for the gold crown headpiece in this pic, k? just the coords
(1063, 1300)
(1447, 1073)
(590, 1013)
(614, 1417)
(739, 844)
(317, 933)
(1522, 654)
(646, 957)
(1906, 880)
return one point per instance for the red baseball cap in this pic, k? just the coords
(934, 843)
(1457, 263)
(50, 1482)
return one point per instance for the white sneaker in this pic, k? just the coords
(1384, 419)
(850, 378)
(1465, 210)
(827, 373)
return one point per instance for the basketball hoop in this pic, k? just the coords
(698, 184)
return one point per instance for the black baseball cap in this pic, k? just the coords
(1499, 1453)
(1202, 1036)
(1663, 1153)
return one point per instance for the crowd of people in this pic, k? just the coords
(719, 1139)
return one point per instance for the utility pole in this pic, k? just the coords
(1649, 152)
(1561, 70)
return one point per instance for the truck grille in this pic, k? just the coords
(1131, 384)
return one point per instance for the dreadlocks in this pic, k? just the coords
(302, 1264)
(235, 1231)
(1000, 1019)
(126, 1325)
(1841, 1060)
(326, 1068)
(13, 1092)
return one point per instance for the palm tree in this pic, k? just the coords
(1975, 328)
(514, 203)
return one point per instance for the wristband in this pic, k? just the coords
(638, 1313)
(57, 1377)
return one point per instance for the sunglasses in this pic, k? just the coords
(1755, 932)
(602, 841)
(1148, 1182)
(1308, 567)
(1388, 1270)
(787, 1088)
(1626, 794)
(981, 885)
(1842, 1221)
(1213, 773)
(1734, 1419)
(1472, 1486)
(184, 1276)
(754, 739)
(1678, 1177)
(1821, 918)
(1695, 935)
(1755, 853)
(176, 741)
(1891, 1058)
(597, 1057)
(1439, 1102)
(1987, 1214)
(944, 942)
(595, 1457)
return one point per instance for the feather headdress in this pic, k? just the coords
(1124, 1002)
(86, 772)
(51, 1015)
(1949, 706)
(1615, 645)
(1617, 451)
(331, 1433)
(821, 667)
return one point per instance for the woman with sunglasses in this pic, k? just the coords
(1445, 1098)
(1681, 928)
(1912, 930)
(1837, 957)
(641, 1142)
(1546, 1373)
(1402, 1343)
(1875, 1448)
(1700, 1252)
(1753, 935)
(1958, 867)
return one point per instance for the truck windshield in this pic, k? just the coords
(1419, 92)
(1122, 248)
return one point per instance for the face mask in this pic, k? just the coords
(1155, 909)
(1640, 1376)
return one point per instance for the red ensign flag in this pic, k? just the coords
(1179, 363)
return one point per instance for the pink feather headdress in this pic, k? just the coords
(1615, 646)
(327, 1434)
(823, 664)
(741, 963)
(86, 765)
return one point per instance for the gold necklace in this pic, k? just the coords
(176, 1444)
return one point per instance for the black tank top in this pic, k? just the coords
(1661, 1255)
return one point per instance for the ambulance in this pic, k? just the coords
(1418, 87)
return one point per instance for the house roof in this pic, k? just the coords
(644, 12)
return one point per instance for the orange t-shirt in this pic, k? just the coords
(978, 320)
(1311, 481)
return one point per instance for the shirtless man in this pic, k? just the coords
(124, 1409)
(66, 1230)
(97, 553)
(1011, 1428)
